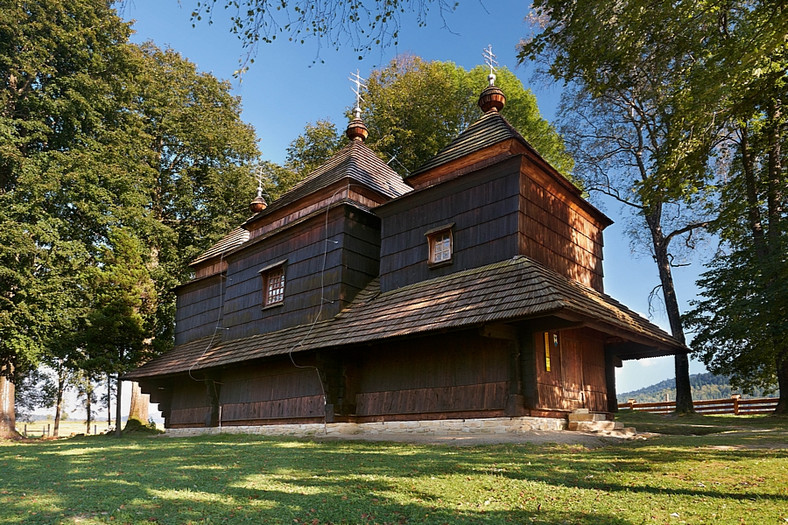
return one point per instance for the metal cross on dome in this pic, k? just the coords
(258, 171)
(358, 80)
(489, 59)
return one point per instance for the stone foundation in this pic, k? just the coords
(443, 427)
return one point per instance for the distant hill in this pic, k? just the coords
(704, 386)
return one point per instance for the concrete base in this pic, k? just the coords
(443, 427)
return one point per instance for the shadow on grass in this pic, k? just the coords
(237, 479)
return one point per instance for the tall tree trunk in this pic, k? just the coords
(768, 245)
(775, 212)
(680, 359)
(782, 383)
(118, 388)
(88, 405)
(109, 402)
(138, 409)
(7, 399)
(58, 408)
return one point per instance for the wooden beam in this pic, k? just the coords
(611, 361)
(527, 347)
(553, 324)
(499, 331)
(631, 350)
(212, 391)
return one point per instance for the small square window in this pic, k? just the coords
(441, 245)
(273, 285)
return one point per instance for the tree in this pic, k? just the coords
(30, 393)
(415, 107)
(360, 25)
(741, 317)
(630, 63)
(86, 390)
(62, 78)
(198, 158)
(123, 307)
(311, 149)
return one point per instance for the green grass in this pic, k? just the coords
(732, 476)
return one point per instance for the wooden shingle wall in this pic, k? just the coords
(277, 391)
(449, 375)
(328, 258)
(198, 309)
(483, 206)
(189, 405)
(558, 231)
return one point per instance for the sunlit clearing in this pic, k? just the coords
(265, 484)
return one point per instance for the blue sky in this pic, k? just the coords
(291, 84)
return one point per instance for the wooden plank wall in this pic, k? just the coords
(339, 267)
(484, 209)
(198, 309)
(577, 376)
(434, 377)
(275, 390)
(557, 231)
(189, 405)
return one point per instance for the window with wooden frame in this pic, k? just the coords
(273, 278)
(441, 245)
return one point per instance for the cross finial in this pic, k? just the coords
(489, 59)
(259, 173)
(359, 84)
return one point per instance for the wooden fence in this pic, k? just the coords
(732, 405)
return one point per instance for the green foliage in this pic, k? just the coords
(118, 164)
(359, 25)
(197, 164)
(717, 478)
(683, 81)
(741, 320)
(311, 149)
(414, 107)
(60, 65)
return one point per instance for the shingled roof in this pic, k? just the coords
(489, 130)
(355, 161)
(512, 290)
(232, 240)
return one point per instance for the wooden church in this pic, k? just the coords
(473, 288)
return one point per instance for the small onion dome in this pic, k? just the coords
(356, 130)
(492, 98)
(257, 205)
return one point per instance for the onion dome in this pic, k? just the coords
(356, 130)
(258, 204)
(492, 98)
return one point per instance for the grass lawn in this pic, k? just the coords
(736, 474)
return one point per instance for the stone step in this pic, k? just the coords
(596, 426)
(586, 416)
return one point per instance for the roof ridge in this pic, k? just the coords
(491, 128)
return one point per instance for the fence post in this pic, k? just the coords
(25, 429)
(735, 398)
(631, 403)
(48, 429)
